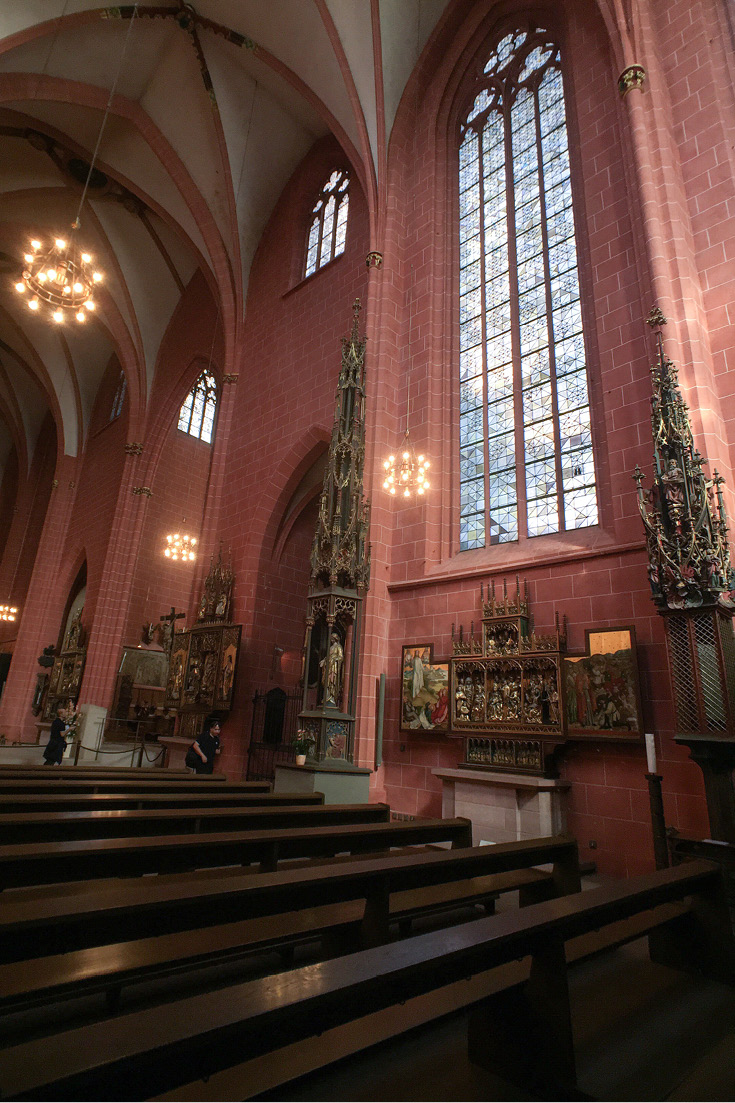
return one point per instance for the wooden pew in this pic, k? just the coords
(165, 932)
(92, 802)
(191, 784)
(22, 769)
(49, 863)
(290, 1018)
(39, 827)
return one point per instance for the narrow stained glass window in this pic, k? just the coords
(328, 227)
(196, 416)
(525, 460)
(117, 402)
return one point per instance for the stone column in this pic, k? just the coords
(42, 608)
(111, 613)
(380, 439)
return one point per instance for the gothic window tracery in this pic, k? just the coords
(526, 460)
(328, 227)
(196, 416)
(117, 402)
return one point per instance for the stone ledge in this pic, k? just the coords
(498, 777)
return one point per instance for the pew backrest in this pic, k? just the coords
(92, 802)
(53, 862)
(147, 1053)
(31, 924)
(27, 827)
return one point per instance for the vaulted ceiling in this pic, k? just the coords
(214, 108)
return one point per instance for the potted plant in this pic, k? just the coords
(302, 743)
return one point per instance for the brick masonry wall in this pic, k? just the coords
(177, 504)
(96, 492)
(24, 505)
(282, 419)
(678, 177)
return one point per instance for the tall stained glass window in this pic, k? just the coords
(526, 463)
(117, 402)
(329, 223)
(196, 416)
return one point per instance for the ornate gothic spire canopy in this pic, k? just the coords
(214, 604)
(340, 555)
(683, 511)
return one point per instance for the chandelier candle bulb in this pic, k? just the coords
(58, 278)
(409, 473)
(180, 546)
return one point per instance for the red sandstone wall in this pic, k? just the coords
(283, 412)
(8, 494)
(23, 512)
(177, 504)
(576, 574)
(96, 494)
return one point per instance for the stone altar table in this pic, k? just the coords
(504, 807)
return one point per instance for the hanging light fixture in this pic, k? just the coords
(180, 547)
(58, 273)
(405, 473)
(59, 277)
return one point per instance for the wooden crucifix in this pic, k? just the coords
(170, 625)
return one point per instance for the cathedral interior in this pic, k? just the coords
(364, 382)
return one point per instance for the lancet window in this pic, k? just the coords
(117, 402)
(526, 461)
(329, 223)
(196, 416)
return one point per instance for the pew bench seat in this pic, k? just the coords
(203, 1047)
(110, 968)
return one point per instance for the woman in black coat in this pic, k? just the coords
(54, 750)
(205, 747)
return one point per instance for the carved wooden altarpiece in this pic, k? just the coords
(203, 660)
(506, 688)
(66, 673)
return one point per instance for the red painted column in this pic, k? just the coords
(110, 618)
(380, 313)
(43, 608)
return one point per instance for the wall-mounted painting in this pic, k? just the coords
(424, 690)
(601, 690)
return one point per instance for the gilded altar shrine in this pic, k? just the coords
(66, 674)
(203, 659)
(506, 687)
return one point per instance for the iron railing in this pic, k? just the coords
(274, 725)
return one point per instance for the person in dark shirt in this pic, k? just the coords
(54, 750)
(205, 747)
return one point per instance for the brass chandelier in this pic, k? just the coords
(180, 547)
(59, 277)
(57, 274)
(407, 473)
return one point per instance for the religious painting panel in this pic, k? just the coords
(202, 668)
(177, 669)
(227, 667)
(601, 687)
(146, 668)
(424, 690)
